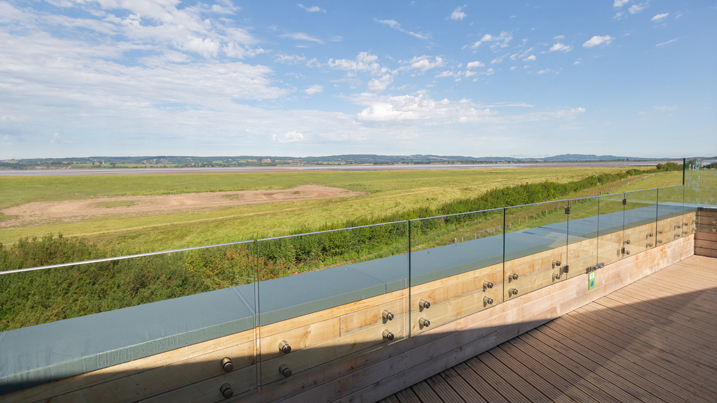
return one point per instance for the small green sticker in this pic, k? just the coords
(591, 280)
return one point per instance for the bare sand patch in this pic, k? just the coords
(73, 210)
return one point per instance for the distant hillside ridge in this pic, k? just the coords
(254, 160)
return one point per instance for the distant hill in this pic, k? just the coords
(590, 157)
(257, 160)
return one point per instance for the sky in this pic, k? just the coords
(502, 78)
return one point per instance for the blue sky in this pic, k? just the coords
(501, 78)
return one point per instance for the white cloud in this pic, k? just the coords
(420, 107)
(314, 89)
(636, 8)
(363, 62)
(577, 62)
(55, 139)
(475, 64)
(514, 67)
(379, 84)
(559, 37)
(560, 47)
(312, 9)
(501, 41)
(659, 17)
(521, 55)
(668, 42)
(666, 108)
(598, 40)
(530, 58)
(313, 63)
(423, 63)
(300, 36)
(289, 59)
(289, 137)
(458, 14)
(395, 25)
(498, 59)
(544, 71)
(620, 3)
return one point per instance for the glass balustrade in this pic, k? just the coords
(76, 318)
(535, 247)
(670, 209)
(583, 232)
(456, 267)
(641, 220)
(611, 224)
(327, 296)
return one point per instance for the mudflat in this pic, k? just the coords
(37, 213)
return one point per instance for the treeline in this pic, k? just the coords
(670, 166)
(48, 295)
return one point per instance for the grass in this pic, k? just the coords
(4, 217)
(388, 192)
(111, 204)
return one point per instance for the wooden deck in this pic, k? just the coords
(651, 341)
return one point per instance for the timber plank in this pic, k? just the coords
(591, 390)
(443, 389)
(540, 376)
(700, 242)
(707, 235)
(666, 317)
(545, 388)
(675, 305)
(641, 331)
(615, 363)
(209, 390)
(591, 361)
(425, 393)
(464, 390)
(639, 365)
(655, 321)
(513, 379)
(238, 346)
(674, 364)
(408, 396)
(579, 369)
(483, 387)
(705, 252)
(330, 314)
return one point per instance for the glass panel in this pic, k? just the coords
(669, 214)
(692, 183)
(611, 221)
(708, 183)
(640, 220)
(456, 267)
(582, 234)
(535, 247)
(79, 318)
(328, 296)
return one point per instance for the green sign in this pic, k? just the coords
(591, 280)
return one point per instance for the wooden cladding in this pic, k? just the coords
(706, 233)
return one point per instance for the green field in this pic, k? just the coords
(387, 192)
